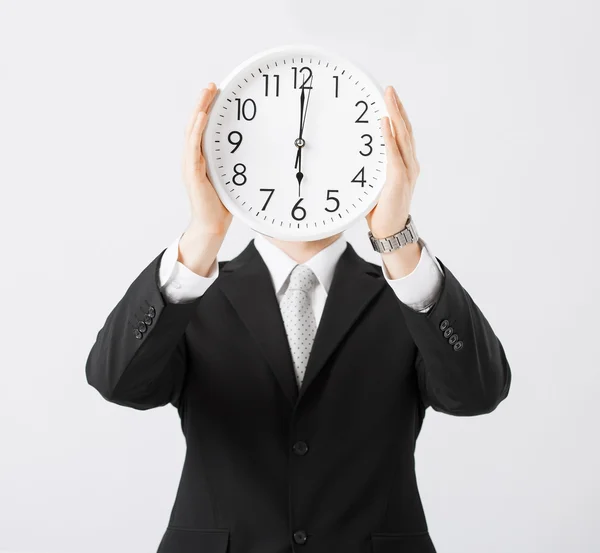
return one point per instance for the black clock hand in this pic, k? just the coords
(299, 174)
(298, 156)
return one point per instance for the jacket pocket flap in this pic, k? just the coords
(407, 543)
(184, 540)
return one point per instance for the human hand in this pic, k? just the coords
(393, 207)
(208, 212)
(210, 221)
(391, 212)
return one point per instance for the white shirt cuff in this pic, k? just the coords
(420, 288)
(178, 283)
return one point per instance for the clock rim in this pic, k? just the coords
(297, 235)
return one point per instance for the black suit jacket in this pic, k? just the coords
(269, 468)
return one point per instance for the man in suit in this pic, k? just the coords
(301, 372)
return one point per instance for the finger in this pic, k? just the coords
(203, 103)
(402, 110)
(194, 116)
(403, 135)
(394, 157)
(197, 130)
(195, 141)
(407, 122)
(399, 127)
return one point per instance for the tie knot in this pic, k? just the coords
(302, 278)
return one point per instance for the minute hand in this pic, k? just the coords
(298, 153)
(303, 117)
(303, 112)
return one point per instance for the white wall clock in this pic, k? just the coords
(294, 145)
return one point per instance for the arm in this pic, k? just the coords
(139, 358)
(461, 365)
(180, 284)
(421, 286)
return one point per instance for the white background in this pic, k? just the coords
(94, 98)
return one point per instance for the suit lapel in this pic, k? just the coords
(247, 285)
(250, 291)
(354, 286)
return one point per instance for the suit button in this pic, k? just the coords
(458, 345)
(448, 332)
(151, 311)
(147, 319)
(300, 448)
(142, 326)
(444, 324)
(300, 537)
(453, 339)
(137, 334)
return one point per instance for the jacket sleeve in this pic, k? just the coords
(139, 358)
(461, 365)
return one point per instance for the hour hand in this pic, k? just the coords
(299, 176)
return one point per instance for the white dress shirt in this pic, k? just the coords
(419, 289)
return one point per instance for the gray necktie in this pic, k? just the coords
(298, 317)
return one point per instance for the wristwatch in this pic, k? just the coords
(407, 235)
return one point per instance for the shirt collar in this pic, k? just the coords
(280, 264)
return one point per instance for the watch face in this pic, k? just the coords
(294, 145)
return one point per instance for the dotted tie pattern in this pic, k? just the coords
(298, 317)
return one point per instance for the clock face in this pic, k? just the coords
(294, 145)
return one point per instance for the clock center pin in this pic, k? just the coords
(300, 142)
